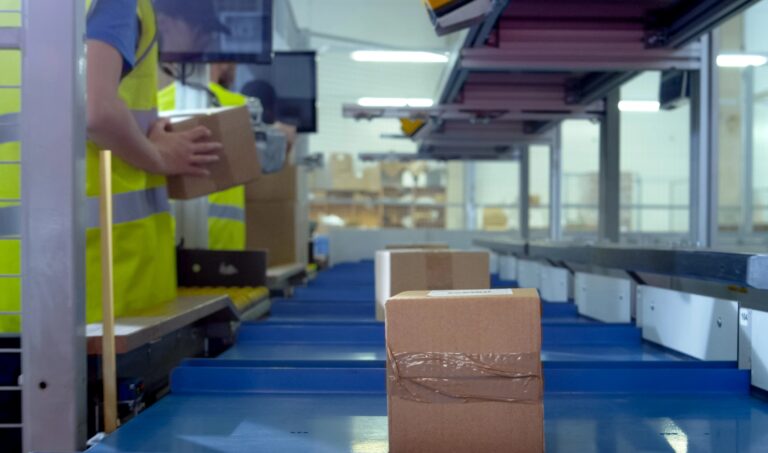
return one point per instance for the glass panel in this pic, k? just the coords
(743, 133)
(539, 191)
(655, 160)
(351, 193)
(580, 167)
(497, 189)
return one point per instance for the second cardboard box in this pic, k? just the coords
(416, 270)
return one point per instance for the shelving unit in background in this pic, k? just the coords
(380, 195)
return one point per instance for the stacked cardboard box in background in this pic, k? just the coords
(277, 217)
(341, 173)
(464, 372)
(415, 270)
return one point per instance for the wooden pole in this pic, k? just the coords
(108, 360)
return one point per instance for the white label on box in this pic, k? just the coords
(471, 292)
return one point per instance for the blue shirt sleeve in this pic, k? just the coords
(114, 22)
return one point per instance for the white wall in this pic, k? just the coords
(655, 147)
(580, 165)
(367, 24)
(341, 80)
(756, 40)
(349, 245)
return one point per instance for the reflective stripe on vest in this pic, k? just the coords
(9, 127)
(10, 221)
(131, 206)
(226, 212)
(10, 118)
(127, 207)
(9, 133)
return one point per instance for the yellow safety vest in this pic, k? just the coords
(145, 255)
(226, 209)
(10, 177)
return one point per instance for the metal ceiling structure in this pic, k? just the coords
(533, 63)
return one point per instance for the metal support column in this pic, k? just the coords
(470, 209)
(555, 184)
(610, 171)
(703, 170)
(525, 187)
(53, 226)
(748, 143)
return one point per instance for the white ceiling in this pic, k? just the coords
(336, 28)
(385, 23)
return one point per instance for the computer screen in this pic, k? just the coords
(287, 88)
(674, 89)
(209, 31)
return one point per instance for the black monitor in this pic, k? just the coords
(211, 31)
(287, 88)
(674, 90)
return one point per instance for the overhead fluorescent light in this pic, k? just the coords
(395, 102)
(396, 56)
(639, 106)
(740, 60)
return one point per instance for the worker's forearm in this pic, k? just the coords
(111, 126)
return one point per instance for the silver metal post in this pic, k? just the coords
(703, 170)
(525, 187)
(610, 171)
(470, 208)
(747, 138)
(53, 226)
(555, 184)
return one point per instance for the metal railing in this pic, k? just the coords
(49, 221)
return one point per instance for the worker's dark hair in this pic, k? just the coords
(265, 92)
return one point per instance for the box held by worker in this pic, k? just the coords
(238, 163)
(414, 270)
(464, 371)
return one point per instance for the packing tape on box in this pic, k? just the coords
(439, 266)
(455, 377)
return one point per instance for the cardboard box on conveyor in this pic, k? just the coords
(415, 270)
(419, 246)
(239, 162)
(464, 371)
(281, 228)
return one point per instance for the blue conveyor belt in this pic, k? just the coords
(311, 378)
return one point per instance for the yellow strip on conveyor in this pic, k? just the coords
(410, 127)
(242, 298)
(437, 4)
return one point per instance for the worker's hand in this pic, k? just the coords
(290, 133)
(184, 153)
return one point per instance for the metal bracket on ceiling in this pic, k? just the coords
(538, 127)
(358, 113)
(656, 38)
(611, 57)
(483, 116)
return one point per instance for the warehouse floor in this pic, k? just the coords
(310, 378)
